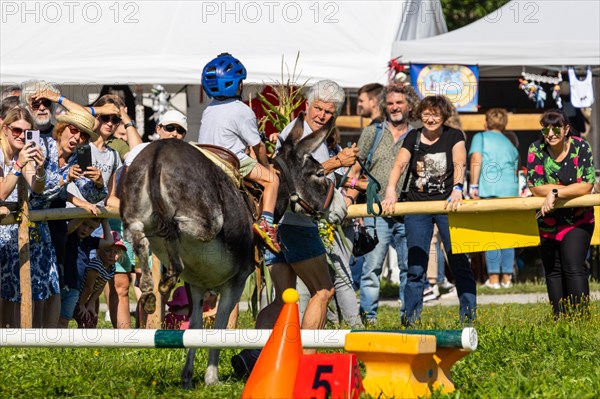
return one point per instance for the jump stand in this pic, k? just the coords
(409, 364)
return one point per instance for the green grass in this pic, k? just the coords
(522, 353)
(390, 291)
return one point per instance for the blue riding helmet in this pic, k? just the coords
(222, 75)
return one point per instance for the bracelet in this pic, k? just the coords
(457, 188)
(18, 165)
(14, 172)
(353, 182)
(474, 186)
(92, 110)
(40, 178)
(60, 99)
(351, 199)
(65, 176)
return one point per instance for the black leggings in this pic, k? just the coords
(564, 263)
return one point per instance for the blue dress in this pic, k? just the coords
(44, 270)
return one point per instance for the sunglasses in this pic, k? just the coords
(114, 119)
(74, 130)
(44, 101)
(171, 128)
(16, 131)
(556, 130)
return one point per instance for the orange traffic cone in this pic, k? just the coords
(274, 374)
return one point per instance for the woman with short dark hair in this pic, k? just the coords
(436, 156)
(560, 166)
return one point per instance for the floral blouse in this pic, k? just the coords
(576, 167)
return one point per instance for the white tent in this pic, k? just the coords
(169, 42)
(536, 33)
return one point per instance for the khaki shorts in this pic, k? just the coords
(247, 165)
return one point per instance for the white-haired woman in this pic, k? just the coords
(26, 161)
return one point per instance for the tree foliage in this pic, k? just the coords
(459, 13)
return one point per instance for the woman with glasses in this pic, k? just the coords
(21, 160)
(106, 157)
(560, 166)
(436, 157)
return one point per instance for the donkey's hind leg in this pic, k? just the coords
(230, 296)
(134, 233)
(174, 268)
(187, 374)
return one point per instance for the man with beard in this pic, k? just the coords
(386, 138)
(369, 102)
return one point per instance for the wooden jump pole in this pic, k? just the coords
(401, 208)
(478, 206)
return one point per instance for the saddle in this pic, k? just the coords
(230, 164)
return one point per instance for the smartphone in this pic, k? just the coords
(33, 136)
(84, 156)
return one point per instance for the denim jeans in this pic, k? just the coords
(500, 261)
(419, 229)
(389, 232)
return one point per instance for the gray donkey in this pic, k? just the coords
(177, 202)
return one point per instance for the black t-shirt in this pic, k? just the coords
(432, 174)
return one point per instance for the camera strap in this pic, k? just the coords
(413, 162)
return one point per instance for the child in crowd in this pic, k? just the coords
(79, 244)
(178, 315)
(96, 275)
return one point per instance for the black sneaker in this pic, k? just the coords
(244, 362)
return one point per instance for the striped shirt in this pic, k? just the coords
(104, 275)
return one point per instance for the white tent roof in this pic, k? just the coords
(170, 41)
(542, 32)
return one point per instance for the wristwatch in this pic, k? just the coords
(555, 192)
(132, 123)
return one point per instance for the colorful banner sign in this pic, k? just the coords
(460, 83)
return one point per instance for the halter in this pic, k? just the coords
(295, 198)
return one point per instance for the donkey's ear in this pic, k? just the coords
(297, 131)
(311, 142)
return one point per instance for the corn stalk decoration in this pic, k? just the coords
(279, 107)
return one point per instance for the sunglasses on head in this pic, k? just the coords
(16, 131)
(114, 119)
(556, 130)
(44, 101)
(171, 128)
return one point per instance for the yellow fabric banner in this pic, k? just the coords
(596, 236)
(475, 232)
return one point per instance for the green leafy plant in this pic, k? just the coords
(280, 105)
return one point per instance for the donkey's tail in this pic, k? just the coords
(165, 223)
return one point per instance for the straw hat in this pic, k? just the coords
(81, 120)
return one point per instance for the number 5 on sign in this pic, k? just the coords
(332, 376)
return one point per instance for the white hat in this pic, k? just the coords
(174, 117)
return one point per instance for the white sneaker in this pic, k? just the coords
(430, 294)
(495, 286)
(507, 285)
(450, 294)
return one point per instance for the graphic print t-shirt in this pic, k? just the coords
(432, 174)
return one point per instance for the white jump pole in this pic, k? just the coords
(138, 338)
(249, 339)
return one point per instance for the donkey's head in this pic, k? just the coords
(303, 178)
